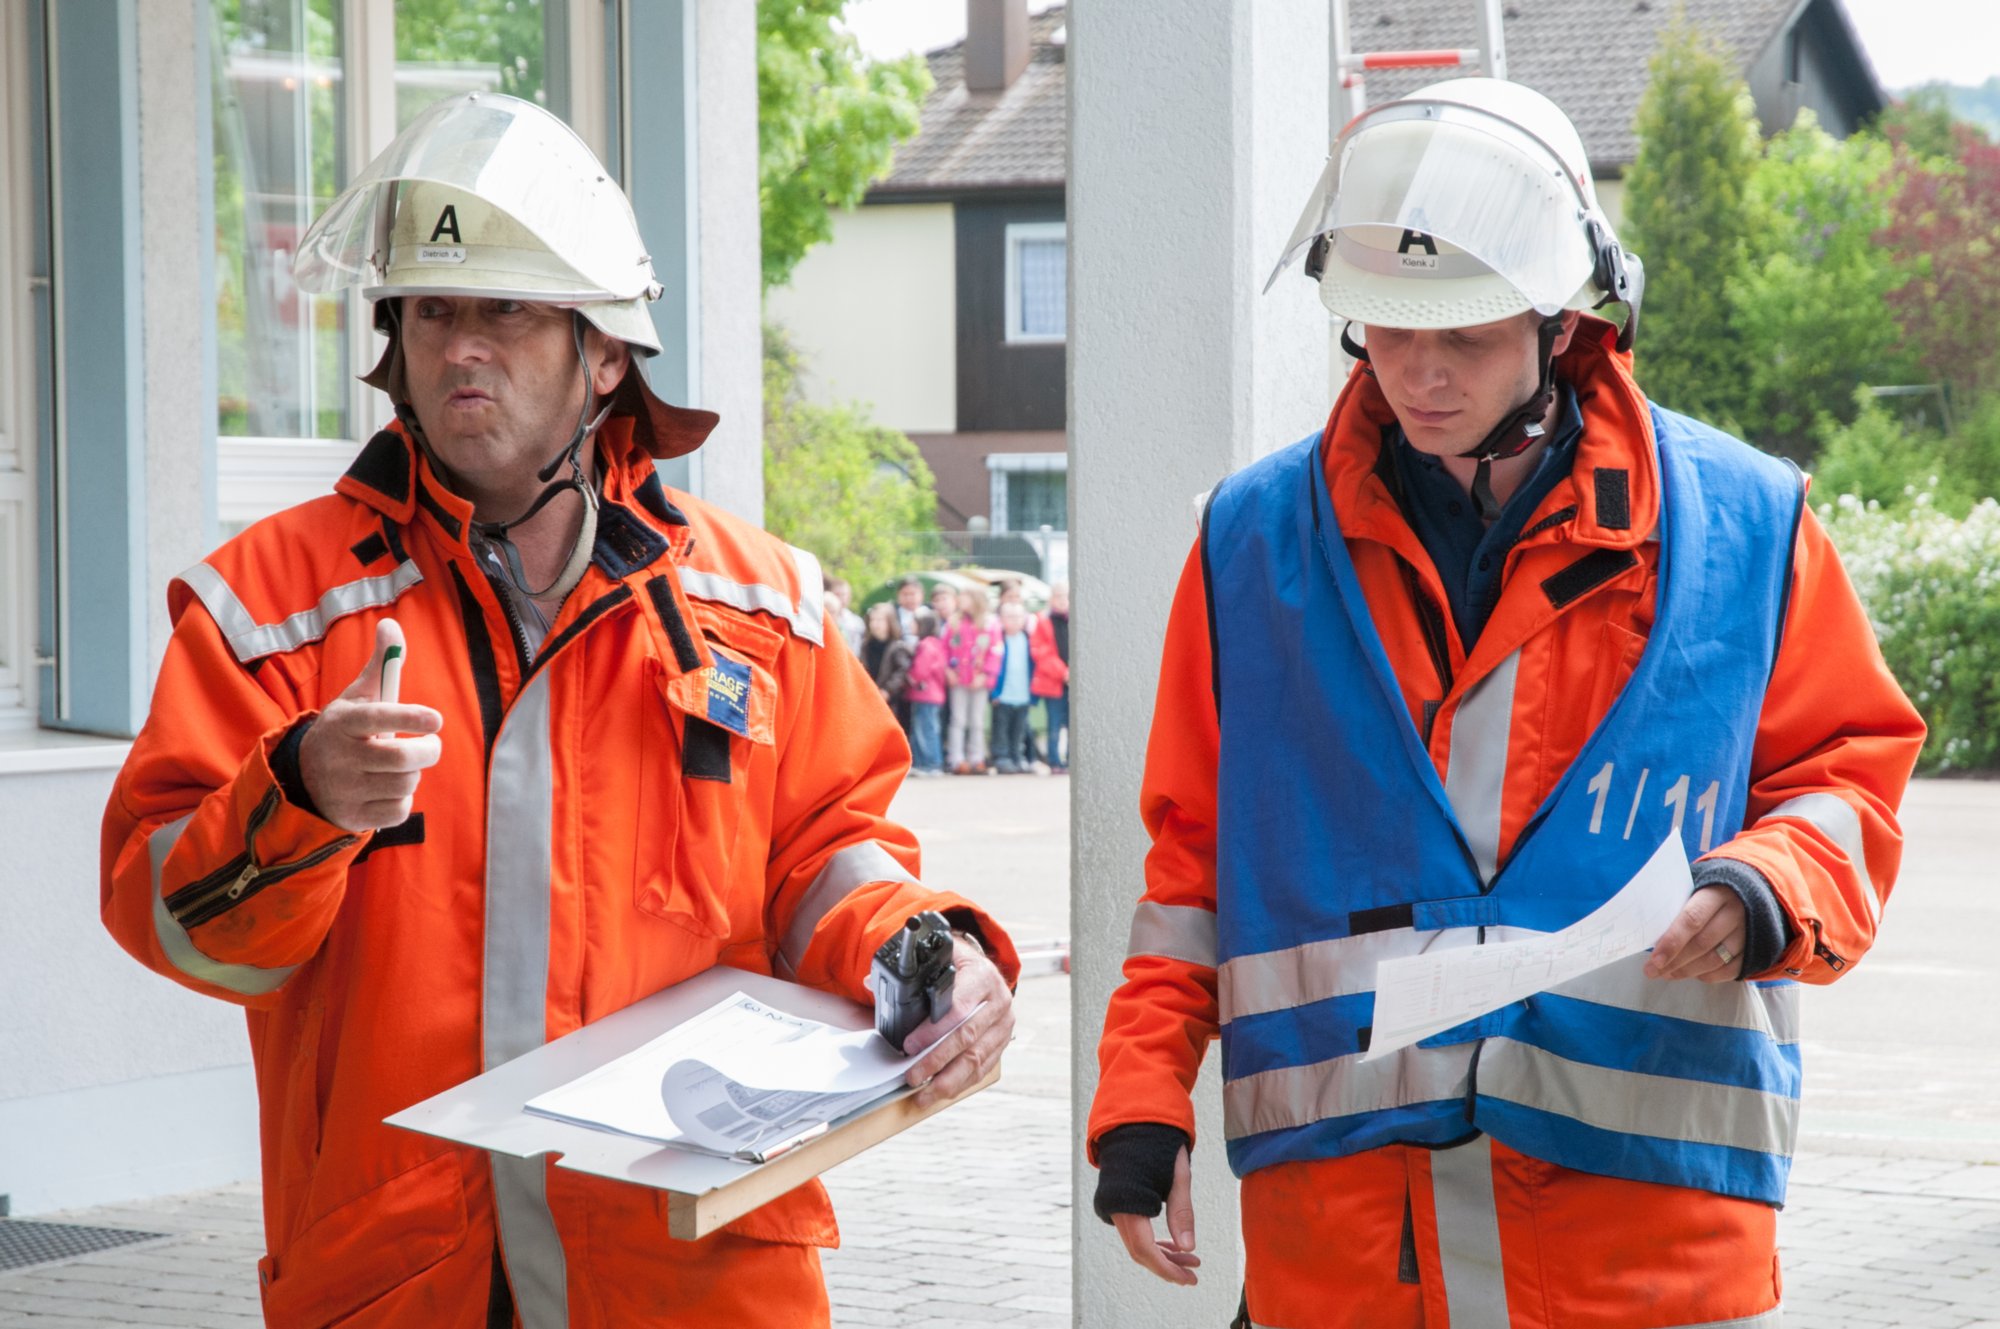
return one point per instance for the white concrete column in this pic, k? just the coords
(177, 220)
(731, 368)
(1196, 131)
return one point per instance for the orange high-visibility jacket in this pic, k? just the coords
(592, 834)
(1834, 748)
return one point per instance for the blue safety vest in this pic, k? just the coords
(1338, 846)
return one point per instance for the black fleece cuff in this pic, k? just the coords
(1135, 1168)
(285, 767)
(1767, 933)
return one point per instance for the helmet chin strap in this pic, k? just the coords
(1520, 428)
(495, 532)
(1517, 430)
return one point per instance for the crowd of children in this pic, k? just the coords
(962, 675)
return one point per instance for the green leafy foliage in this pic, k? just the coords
(1807, 306)
(1922, 122)
(1931, 582)
(1688, 215)
(1885, 457)
(857, 495)
(828, 122)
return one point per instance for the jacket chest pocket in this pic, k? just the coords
(704, 731)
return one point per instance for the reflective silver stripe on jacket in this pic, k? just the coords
(846, 871)
(1773, 1011)
(1839, 822)
(1468, 1228)
(514, 993)
(1476, 770)
(252, 640)
(179, 948)
(1300, 1095)
(1173, 931)
(807, 618)
(1318, 970)
(1632, 1103)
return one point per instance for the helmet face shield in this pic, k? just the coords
(1435, 213)
(517, 159)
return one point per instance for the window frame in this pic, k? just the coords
(257, 476)
(1018, 233)
(23, 410)
(1000, 466)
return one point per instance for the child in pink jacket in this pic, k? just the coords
(972, 649)
(929, 680)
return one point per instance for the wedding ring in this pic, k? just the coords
(1722, 954)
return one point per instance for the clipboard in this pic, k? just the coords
(704, 1192)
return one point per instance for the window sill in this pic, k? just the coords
(35, 751)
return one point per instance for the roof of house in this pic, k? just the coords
(1588, 56)
(978, 141)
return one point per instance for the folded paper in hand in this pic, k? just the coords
(1420, 995)
(739, 1080)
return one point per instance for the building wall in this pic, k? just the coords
(114, 1082)
(1001, 386)
(1821, 74)
(874, 315)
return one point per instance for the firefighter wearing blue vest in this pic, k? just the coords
(1446, 673)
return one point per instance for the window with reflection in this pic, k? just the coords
(280, 157)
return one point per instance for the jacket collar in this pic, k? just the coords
(1610, 498)
(394, 477)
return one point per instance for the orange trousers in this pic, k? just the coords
(1478, 1236)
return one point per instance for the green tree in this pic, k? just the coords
(1808, 304)
(1687, 214)
(857, 495)
(828, 122)
(1921, 121)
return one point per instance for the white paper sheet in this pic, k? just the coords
(1420, 995)
(739, 1076)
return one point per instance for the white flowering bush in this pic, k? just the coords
(1931, 585)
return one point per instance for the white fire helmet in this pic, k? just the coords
(1466, 202)
(490, 196)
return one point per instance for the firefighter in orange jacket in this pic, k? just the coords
(620, 756)
(1445, 673)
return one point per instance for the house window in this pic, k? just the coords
(1030, 490)
(299, 108)
(1037, 282)
(282, 357)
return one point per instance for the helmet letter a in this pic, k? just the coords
(447, 223)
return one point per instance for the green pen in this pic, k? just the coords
(392, 676)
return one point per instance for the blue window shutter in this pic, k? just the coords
(95, 501)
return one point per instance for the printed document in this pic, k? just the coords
(737, 1079)
(1420, 995)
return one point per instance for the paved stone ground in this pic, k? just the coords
(963, 1220)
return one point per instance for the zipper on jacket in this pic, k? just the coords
(1431, 616)
(524, 654)
(242, 877)
(1832, 961)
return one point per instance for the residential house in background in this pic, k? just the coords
(1589, 57)
(941, 301)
